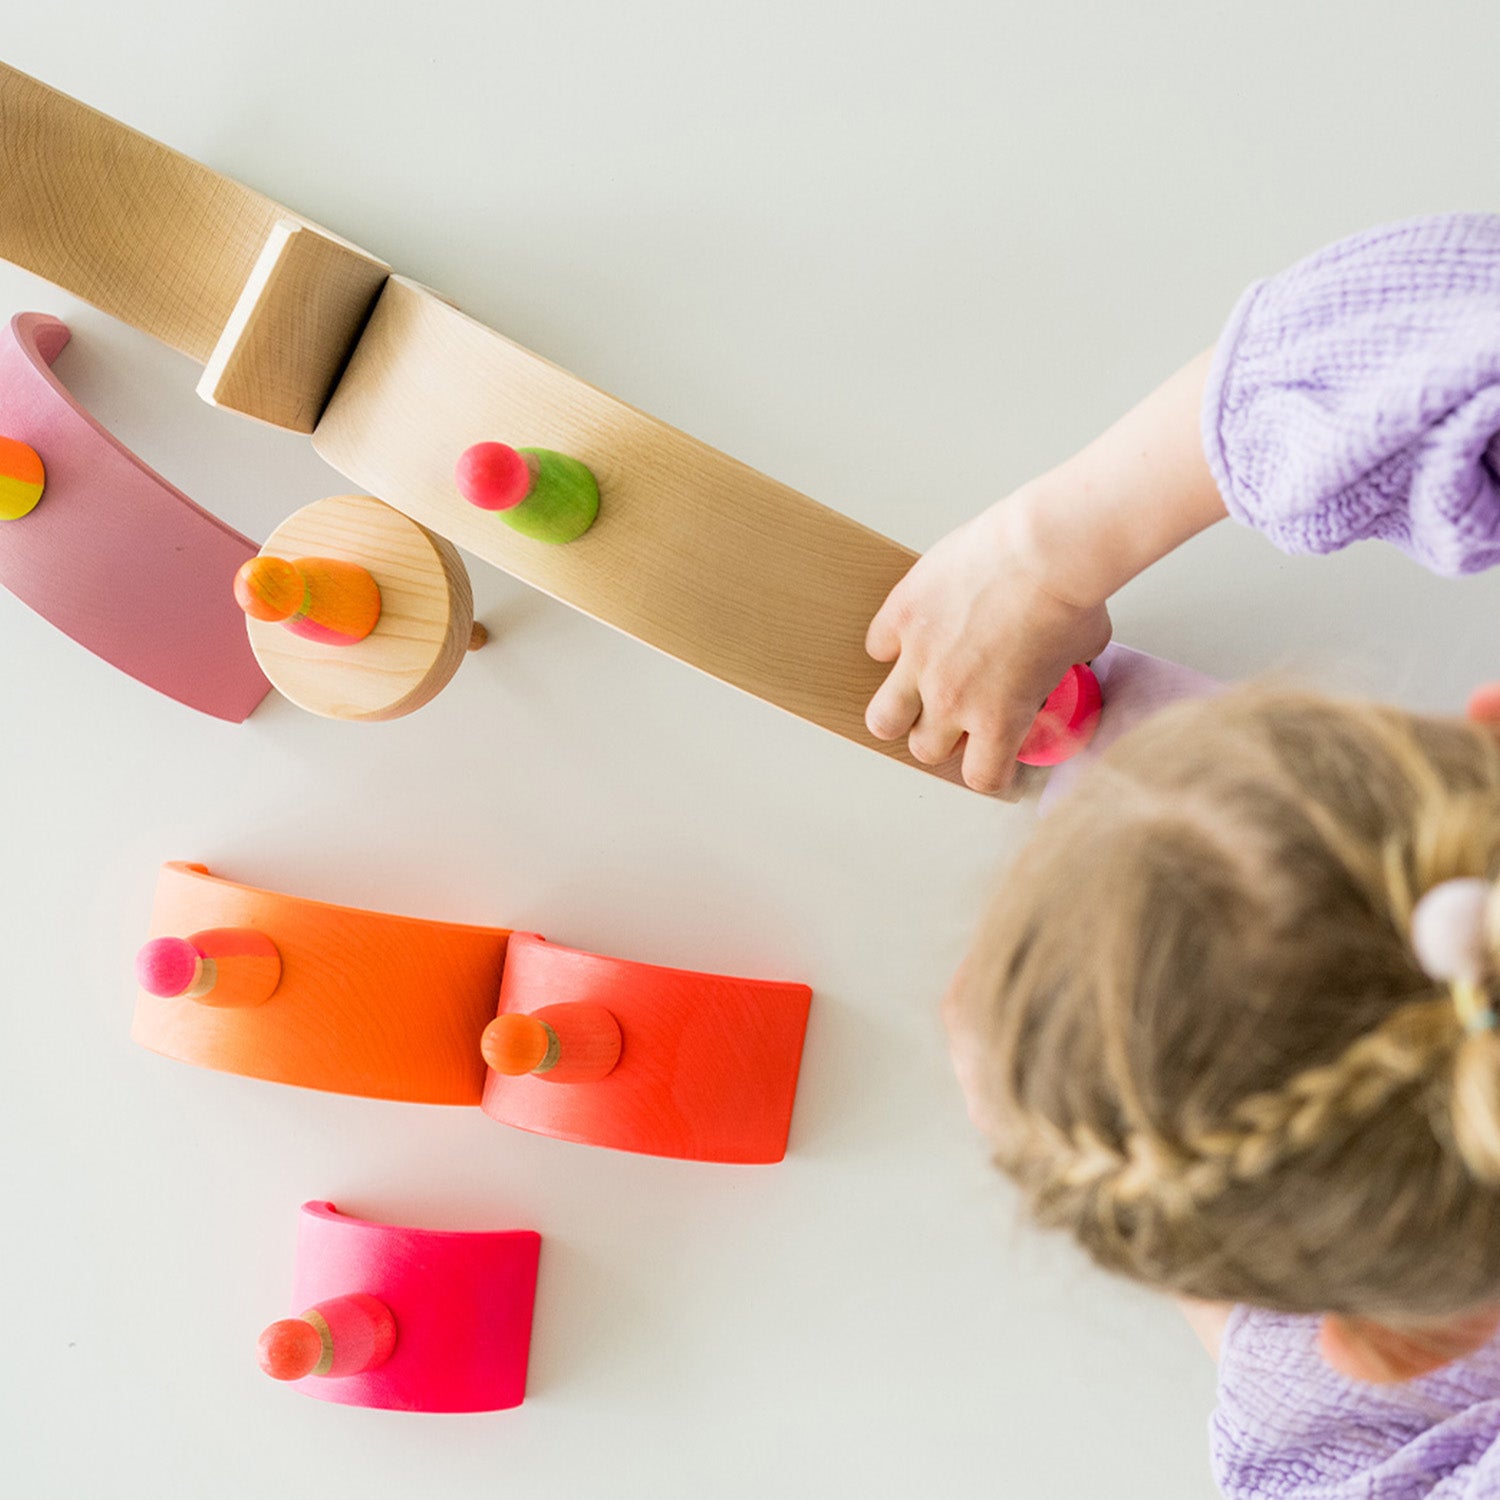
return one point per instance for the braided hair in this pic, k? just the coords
(1195, 1027)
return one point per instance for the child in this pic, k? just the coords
(1231, 1024)
(1232, 1020)
(1355, 395)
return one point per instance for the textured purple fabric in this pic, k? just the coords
(1357, 394)
(1289, 1428)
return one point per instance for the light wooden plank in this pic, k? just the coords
(137, 229)
(693, 552)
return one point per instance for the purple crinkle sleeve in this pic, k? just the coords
(1289, 1428)
(1357, 394)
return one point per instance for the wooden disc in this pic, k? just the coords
(426, 613)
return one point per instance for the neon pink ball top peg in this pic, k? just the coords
(166, 966)
(1067, 721)
(493, 476)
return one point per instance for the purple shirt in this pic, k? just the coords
(1288, 1426)
(1357, 394)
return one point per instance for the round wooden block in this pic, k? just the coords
(426, 614)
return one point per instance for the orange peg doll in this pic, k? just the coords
(319, 598)
(576, 1042)
(343, 1336)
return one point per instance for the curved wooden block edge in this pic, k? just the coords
(201, 872)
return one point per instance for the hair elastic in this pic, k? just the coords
(1448, 938)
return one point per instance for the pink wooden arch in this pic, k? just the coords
(113, 555)
(462, 1302)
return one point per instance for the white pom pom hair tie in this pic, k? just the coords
(1448, 937)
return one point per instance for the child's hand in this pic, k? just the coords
(980, 634)
(985, 625)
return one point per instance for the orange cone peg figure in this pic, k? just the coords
(576, 1042)
(318, 598)
(342, 1336)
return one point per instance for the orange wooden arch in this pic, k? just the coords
(384, 1006)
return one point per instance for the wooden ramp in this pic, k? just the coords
(694, 553)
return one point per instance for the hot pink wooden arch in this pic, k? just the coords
(113, 555)
(462, 1304)
(708, 1064)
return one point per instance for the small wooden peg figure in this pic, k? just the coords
(544, 495)
(22, 478)
(319, 598)
(342, 1336)
(1067, 721)
(576, 1042)
(222, 966)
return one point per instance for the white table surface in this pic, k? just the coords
(899, 257)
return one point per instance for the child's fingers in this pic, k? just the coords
(932, 739)
(895, 707)
(883, 639)
(989, 762)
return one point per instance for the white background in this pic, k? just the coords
(898, 256)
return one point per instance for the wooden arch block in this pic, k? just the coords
(692, 553)
(383, 1006)
(461, 1303)
(113, 555)
(298, 316)
(129, 225)
(426, 613)
(707, 1066)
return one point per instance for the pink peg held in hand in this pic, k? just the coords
(1067, 721)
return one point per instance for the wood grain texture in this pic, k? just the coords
(290, 333)
(384, 1006)
(462, 1302)
(115, 556)
(137, 229)
(693, 552)
(426, 613)
(708, 1064)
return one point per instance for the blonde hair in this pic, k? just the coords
(1196, 1027)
